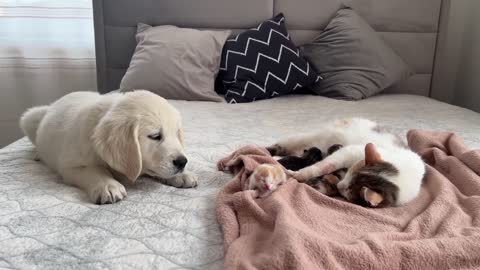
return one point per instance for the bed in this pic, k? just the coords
(47, 225)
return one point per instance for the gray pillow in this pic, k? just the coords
(175, 63)
(353, 60)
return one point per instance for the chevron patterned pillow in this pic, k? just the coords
(262, 63)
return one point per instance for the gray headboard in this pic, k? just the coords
(410, 27)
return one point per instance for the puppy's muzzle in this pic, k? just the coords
(180, 163)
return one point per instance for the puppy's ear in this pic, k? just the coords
(115, 140)
(180, 137)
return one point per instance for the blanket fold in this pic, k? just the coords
(297, 227)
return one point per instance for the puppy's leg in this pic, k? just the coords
(183, 180)
(98, 182)
(343, 158)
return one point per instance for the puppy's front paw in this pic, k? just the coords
(189, 180)
(109, 192)
(182, 181)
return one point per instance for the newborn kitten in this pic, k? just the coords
(266, 178)
(382, 170)
(326, 184)
(309, 157)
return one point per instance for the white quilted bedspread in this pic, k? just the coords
(47, 225)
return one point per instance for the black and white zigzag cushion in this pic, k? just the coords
(262, 63)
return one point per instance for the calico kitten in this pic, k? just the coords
(266, 178)
(309, 157)
(382, 170)
(326, 184)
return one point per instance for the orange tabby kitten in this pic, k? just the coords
(266, 178)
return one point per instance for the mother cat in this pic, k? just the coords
(382, 170)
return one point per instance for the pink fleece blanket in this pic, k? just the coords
(296, 227)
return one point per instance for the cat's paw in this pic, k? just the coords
(298, 175)
(291, 173)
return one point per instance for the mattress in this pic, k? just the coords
(47, 225)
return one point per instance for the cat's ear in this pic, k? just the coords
(372, 156)
(371, 197)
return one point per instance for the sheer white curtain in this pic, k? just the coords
(459, 80)
(46, 51)
(467, 83)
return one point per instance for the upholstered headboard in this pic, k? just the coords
(410, 27)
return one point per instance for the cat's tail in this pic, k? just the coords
(30, 121)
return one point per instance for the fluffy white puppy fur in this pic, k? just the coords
(91, 140)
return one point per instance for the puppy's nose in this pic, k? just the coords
(180, 162)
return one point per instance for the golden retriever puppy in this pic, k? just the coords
(91, 139)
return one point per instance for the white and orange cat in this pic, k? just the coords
(382, 170)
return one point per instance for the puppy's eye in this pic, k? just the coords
(156, 136)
